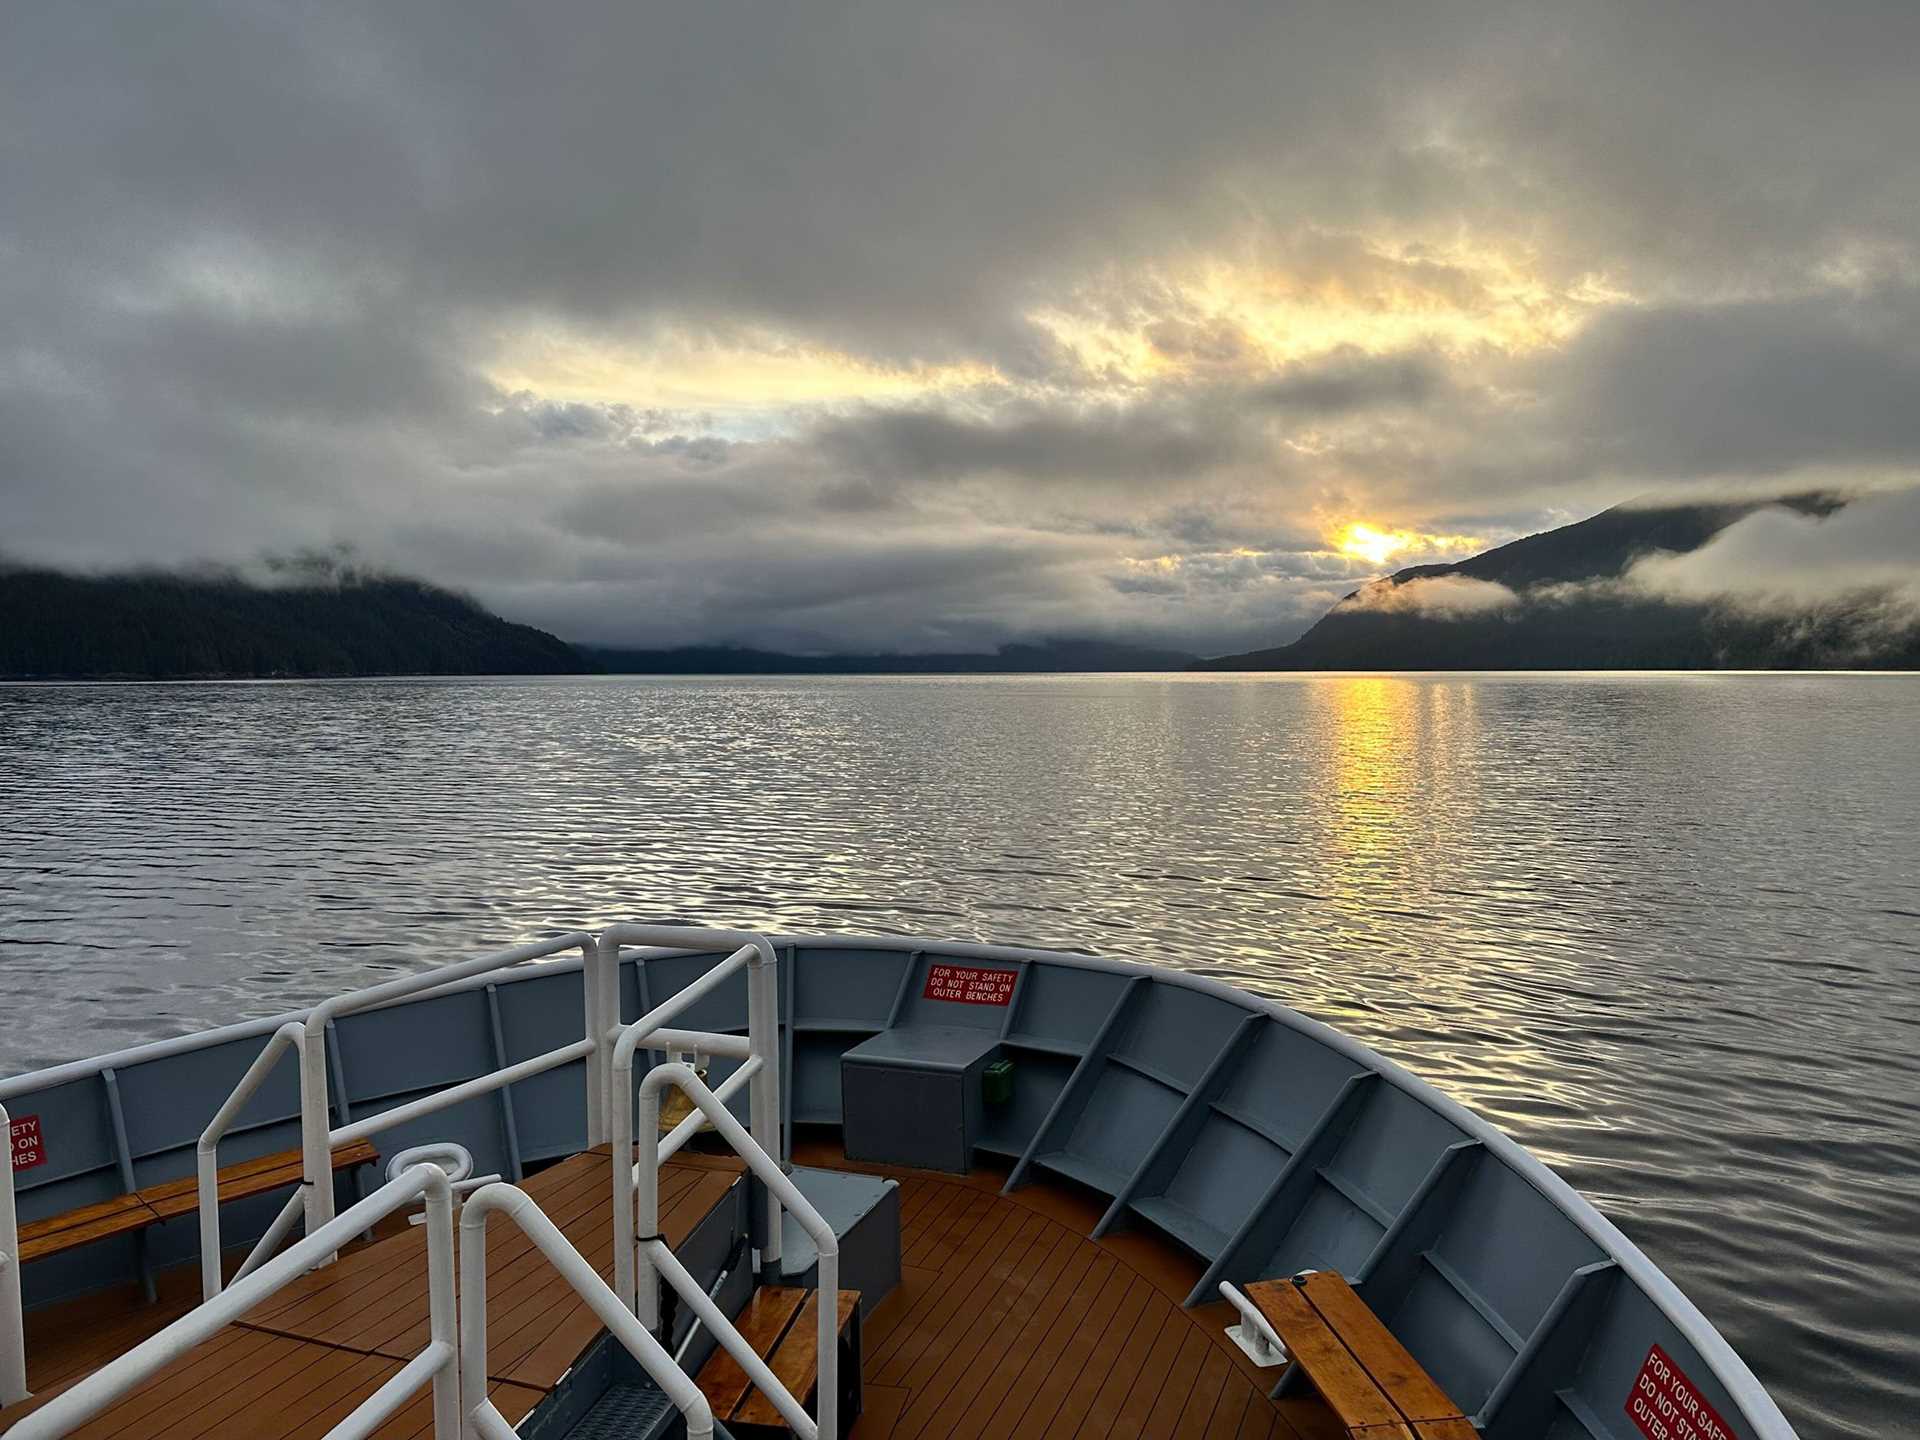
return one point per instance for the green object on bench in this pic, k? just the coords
(996, 1082)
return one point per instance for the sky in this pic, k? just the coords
(898, 326)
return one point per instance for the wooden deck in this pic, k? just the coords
(1011, 1323)
(327, 1341)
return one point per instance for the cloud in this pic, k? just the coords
(1350, 380)
(877, 325)
(1111, 442)
(1750, 388)
(1436, 597)
(1778, 562)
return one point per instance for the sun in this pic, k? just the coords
(1376, 547)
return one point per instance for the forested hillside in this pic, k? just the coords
(172, 626)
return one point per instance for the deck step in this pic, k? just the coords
(781, 1323)
(626, 1412)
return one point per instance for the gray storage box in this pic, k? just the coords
(911, 1095)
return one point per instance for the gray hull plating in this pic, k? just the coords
(1261, 1141)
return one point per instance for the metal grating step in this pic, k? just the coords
(627, 1412)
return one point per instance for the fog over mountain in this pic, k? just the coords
(1728, 585)
(869, 327)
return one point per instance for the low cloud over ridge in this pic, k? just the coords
(1438, 597)
(1778, 562)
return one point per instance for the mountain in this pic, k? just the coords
(1049, 656)
(1557, 600)
(326, 619)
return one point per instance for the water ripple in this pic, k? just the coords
(1665, 930)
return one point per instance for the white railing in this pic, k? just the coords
(609, 1048)
(440, 1361)
(285, 1040)
(640, 1260)
(482, 1420)
(13, 1332)
(756, 956)
(455, 1359)
(307, 1039)
(660, 1259)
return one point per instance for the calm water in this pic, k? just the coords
(1665, 930)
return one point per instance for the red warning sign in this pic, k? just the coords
(28, 1151)
(1664, 1404)
(969, 984)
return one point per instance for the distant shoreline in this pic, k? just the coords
(1196, 673)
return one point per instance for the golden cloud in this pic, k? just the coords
(686, 369)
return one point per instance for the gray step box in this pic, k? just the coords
(864, 1211)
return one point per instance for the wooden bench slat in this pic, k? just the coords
(249, 1177)
(124, 1214)
(764, 1320)
(121, 1215)
(177, 1197)
(83, 1215)
(1412, 1391)
(795, 1363)
(1347, 1388)
(1459, 1428)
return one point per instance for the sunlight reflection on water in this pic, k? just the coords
(1665, 930)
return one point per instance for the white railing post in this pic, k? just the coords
(595, 959)
(443, 1317)
(608, 980)
(645, 1298)
(473, 1311)
(316, 1154)
(13, 1325)
(763, 1105)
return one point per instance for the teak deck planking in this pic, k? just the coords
(1009, 1322)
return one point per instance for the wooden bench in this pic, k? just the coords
(782, 1325)
(126, 1214)
(1373, 1386)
